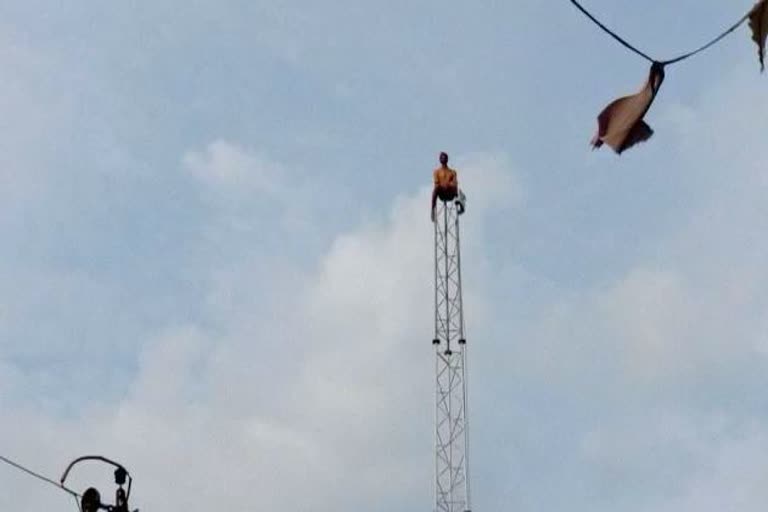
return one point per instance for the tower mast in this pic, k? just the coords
(451, 424)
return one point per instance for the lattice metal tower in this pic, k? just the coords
(451, 425)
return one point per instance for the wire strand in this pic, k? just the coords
(640, 53)
(709, 44)
(610, 32)
(77, 503)
(39, 476)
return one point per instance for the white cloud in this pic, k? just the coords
(311, 389)
(731, 477)
(321, 401)
(225, 167)
(250, 190)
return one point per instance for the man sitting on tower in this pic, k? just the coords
(446, 185)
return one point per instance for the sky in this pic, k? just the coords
(215, 256)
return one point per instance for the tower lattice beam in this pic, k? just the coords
(451, 424)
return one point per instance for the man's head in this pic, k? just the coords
(444, 158)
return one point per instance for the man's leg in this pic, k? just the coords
(434, 203)
(460, 202)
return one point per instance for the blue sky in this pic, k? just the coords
(215, 260)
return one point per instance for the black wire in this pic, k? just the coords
(666, 62)
(711, 43)
(611, 32)
(77, 502)
(38, 476)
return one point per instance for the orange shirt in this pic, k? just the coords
(445, 177)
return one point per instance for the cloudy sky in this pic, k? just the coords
(215, 256)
